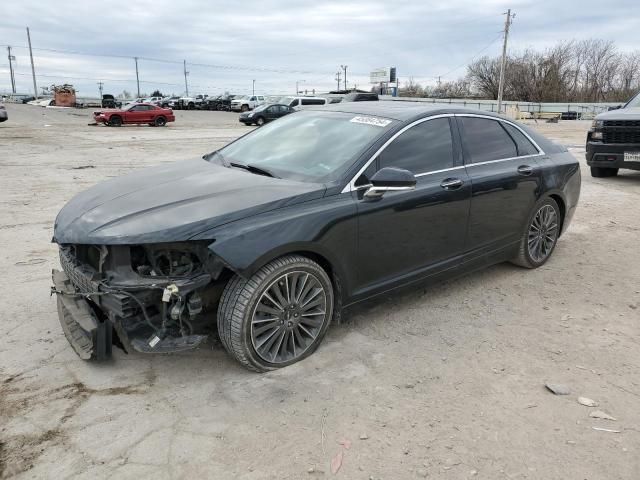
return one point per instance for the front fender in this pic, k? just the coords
(326, 227)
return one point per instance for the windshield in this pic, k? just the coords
(634, 102)
(309, 146)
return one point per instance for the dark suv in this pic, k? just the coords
(360, 97)
(613, 142)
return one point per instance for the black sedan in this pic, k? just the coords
(270, 237)
(265, 113)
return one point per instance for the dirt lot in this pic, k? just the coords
(444, 383)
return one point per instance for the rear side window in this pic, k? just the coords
(423, 148)
(486, 140)
(312, 101)
(525, 147)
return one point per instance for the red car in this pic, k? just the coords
(135, 113)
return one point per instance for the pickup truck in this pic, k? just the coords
(246, 103)
(613, 142)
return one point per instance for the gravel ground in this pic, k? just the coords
(440, 383)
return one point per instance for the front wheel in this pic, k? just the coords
(244, 108)
(541, 235)
(601, 172)
(277, 317)
(160, 122)
(260, 121)
(115, 121)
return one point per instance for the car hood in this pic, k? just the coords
(173, 202)
(621, 114)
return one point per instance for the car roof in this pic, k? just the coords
(398, 110)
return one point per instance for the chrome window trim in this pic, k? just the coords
(439, 171)
(351, 185)
(504, 159)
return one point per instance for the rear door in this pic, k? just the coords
(505, 177)
(408, 233)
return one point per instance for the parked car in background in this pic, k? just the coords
(4, 116)
(221, 102)
(169, 102)
(152, 100)
(138, 113)
(614, 140)
(264, 114)
(109, 101)
(360, 97)
(300, 103)
(272, 235)
(246, 102)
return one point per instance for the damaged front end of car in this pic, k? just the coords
(152, 298)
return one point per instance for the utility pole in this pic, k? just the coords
(338, 76)
(33, 69)
(186, 86)
(503, 65)
(13, 80)
(344, 67)
(137, 76)
(297, 87)
(253, 88)
(100, 84)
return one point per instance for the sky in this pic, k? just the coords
(281, 43)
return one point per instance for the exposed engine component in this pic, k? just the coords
(160, 261)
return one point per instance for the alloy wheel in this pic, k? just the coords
(288, 317)
(543, 233)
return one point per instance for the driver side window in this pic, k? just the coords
(423, 148)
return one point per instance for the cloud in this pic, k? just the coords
(278, 42)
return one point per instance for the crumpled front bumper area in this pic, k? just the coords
(149, 315)
(88, 336)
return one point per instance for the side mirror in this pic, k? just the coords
(390, 179)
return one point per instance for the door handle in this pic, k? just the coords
(525, 170)
(451, 183)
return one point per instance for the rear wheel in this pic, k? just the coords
(601, 172)
(160, 122)
(541, 235)
(115, 121)
(277, 317)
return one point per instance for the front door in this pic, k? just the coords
(137, 114)
(413, 233)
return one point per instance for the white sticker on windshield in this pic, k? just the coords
(378, 122)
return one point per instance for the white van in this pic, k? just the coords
(300, 103)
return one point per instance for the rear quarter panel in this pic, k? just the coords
(561, 178)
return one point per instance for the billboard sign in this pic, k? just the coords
(379, 75)
(383, 75)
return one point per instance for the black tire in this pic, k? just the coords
(239, 304)
(160, 121)
(115, 121)
(191, 106)
(244, 108)
(602, 172)
(526, 256)
(260, 121)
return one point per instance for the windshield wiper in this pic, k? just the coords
(254, 169)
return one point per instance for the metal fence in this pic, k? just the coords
(583, 109)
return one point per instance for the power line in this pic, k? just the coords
(472, 58)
